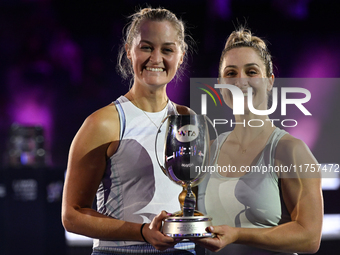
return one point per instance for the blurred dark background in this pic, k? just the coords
(57, 66)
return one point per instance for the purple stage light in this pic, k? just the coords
(297, 9)
(222, 8)
(318, 62)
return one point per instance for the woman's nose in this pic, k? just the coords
(241, 81)
(156, 57)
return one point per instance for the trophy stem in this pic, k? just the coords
(182, 195)
(189, 202)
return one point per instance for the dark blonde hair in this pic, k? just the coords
(132, 29)
(244, 38)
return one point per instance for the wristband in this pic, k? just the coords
(141, 232)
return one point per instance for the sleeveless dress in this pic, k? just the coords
(250, 201)
(134, 188)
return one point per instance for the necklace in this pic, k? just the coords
(165, 111)
(242, 149)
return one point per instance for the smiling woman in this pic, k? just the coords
(133, 30)
(155, 59)
(112, 156)
(258, 205)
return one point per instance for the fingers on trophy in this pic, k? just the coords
(185, 153)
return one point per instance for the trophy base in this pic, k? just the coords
(187, 226)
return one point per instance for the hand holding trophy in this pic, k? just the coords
(186, 152)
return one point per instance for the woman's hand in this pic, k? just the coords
(224, 235)
(154, 236)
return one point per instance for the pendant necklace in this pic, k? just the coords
(242, 149)
(153, 121)
(149, 116)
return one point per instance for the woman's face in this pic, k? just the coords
(155, 53)
(244, 68)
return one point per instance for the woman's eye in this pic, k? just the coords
(168, 50)
(230, 74)
(145, 48)
(252, 72)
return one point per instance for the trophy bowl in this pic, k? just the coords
(185, 153)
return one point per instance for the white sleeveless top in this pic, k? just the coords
(134, 188)
(251, 201)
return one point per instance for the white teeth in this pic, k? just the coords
(153, 69)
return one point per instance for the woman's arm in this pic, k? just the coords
(302, 195)
(96, 140)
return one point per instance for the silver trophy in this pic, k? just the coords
(186, 152)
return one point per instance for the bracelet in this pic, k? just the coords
(141, 232)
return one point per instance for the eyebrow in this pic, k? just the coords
(148, 42)
(246, 65)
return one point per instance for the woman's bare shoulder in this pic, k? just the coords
(291, 149)
(105, 115)
(289, 143)
(104, 121)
